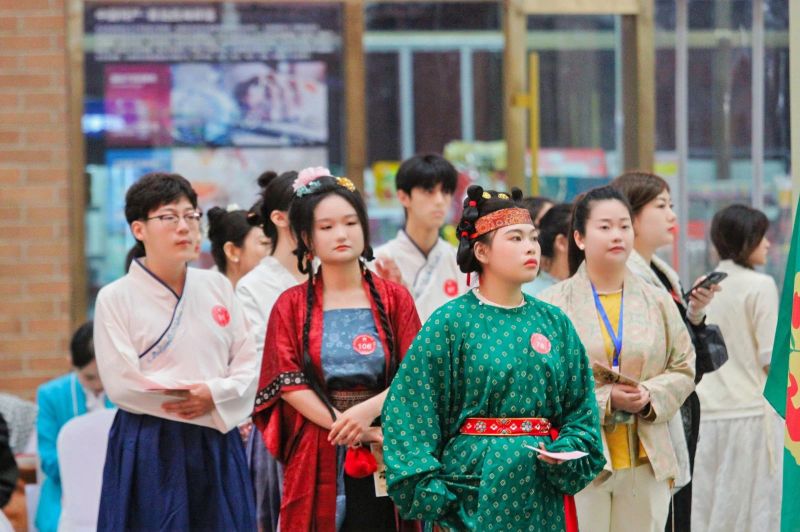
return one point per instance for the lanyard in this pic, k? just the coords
(616, 339)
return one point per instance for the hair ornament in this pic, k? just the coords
(502, 218)
(308, 175)
(502, 195)
(346, 183)
(486, 195)
(232, 207)
(306, 189)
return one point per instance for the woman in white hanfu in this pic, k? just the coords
(176, 354)
(258, 291)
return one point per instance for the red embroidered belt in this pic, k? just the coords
(506, 426)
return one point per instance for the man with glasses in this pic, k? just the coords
(177, 356)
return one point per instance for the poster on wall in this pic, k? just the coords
(136, 101)
(250, 104)
(210, 170)
(217, 92)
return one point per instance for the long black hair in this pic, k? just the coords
(580, 215)
(479, 203)
(301, 220)
(276, 195)
(555, 222)
(226, 226)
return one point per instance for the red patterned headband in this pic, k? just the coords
(502, 218)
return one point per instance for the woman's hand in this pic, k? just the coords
(194, 402)
(699, 298)
(388, 269)
(351, 425)
(547, 459)
(628, 398)
(373, 435)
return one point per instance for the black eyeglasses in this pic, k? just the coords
(192, 219)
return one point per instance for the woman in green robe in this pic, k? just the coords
(491, 375)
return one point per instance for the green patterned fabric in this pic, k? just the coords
(475, 360)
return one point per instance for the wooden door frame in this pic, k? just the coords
(638, 73)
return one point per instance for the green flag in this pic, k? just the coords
(783, 382)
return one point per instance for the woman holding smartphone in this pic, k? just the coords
(654, 225)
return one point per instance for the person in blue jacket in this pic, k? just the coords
(61, 399)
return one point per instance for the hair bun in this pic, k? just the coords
(471, 202)
(474, 193)
(266, 178)
(216, 214)
(516, 194)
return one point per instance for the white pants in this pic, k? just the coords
(630, 500)
(738, 475)
(5, 524)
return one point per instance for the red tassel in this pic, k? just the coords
(469, 278)
(359, 462)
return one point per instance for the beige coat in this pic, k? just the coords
(656, 351)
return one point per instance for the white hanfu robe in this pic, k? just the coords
(433, 280)
(147, 338)
(258, 290)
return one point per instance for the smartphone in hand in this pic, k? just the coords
(712, 278)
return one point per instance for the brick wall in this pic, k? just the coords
(34, 194)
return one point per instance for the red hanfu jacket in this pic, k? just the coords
(309, 496)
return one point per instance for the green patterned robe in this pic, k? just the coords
(475, 360)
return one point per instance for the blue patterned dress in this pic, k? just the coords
(353, 360)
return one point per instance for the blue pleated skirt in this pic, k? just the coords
(168, 475)
(267, 477)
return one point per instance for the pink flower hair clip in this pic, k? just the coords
(306, 180)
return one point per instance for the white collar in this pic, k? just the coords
(482, 299)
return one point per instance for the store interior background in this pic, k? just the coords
(434, 83)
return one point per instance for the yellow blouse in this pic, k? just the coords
(621, 438)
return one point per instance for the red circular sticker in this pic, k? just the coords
(540, 343)
(221, 315)
(451, 287)
(364, 344)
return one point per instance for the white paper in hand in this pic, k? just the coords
(569, 455)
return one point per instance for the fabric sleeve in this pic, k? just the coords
(255, 314)
(669, 389)
(413, 419)
(765, 320)
(280, 425)
(118, 363)
(47, 427)
(603, 395)
(281, 362)
(234, 393)
(579, 425)
(406, 321)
